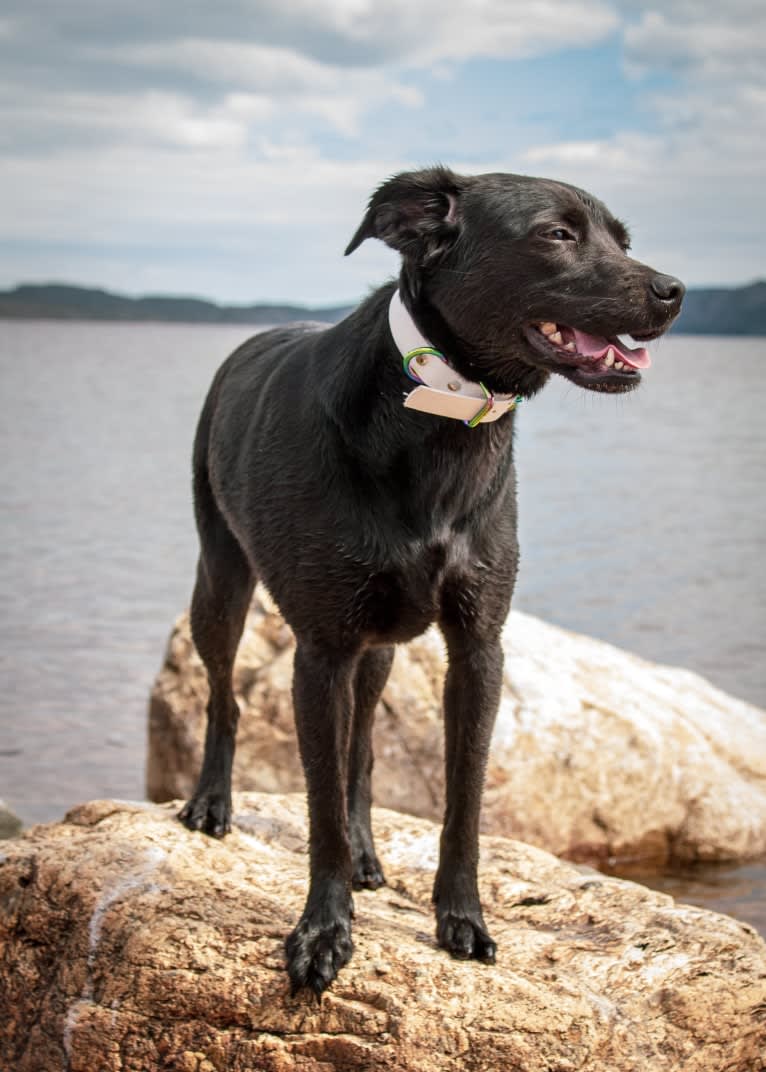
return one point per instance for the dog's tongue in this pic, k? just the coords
(595, 346)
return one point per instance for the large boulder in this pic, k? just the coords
(596, 753)
(128, 944)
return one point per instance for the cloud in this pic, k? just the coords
(718, 60)
(625, 154)
(197, 139)
(695, 179)
(336, 32)
(226, 226)
(281, 76)
(45, 120)
(432, 31)
(336, 61)
(701, 41)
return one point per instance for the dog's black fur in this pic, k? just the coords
(368, 521)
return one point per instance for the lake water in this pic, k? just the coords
(642, 522)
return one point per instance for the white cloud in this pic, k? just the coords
(705, 41)
(718, 59)
(633, 155)
(226, 226)
(196, 79)
(346, 33)
(693, 186)
(256, 83)
(433, 31)
(249, 64)
(209, 139)
(151, 117)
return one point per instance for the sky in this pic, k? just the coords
(227, 149)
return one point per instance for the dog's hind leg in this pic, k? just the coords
(371, 676)
(219, 605)
(321, 944)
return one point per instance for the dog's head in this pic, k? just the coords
(516, 277)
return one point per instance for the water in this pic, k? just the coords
(641, 522)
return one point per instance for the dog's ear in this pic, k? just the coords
(416, 213)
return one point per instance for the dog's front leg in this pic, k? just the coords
(471, 698)
(322, 696)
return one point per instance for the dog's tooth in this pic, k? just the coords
(619, 365)
(609, 359)
(555, 337)
(547, 329)
(571, 347)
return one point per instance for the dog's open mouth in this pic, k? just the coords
(593, 361)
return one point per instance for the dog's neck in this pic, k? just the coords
(442, 391)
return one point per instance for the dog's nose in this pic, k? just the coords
(668, 289)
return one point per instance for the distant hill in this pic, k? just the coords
(57, 301)
(720, 311)
(709, 311)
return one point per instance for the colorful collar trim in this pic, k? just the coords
(442, 391)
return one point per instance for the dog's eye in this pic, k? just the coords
(560, 234)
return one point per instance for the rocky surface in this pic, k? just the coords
(128, 944)
(596, 753)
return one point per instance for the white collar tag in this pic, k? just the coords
(442, 391)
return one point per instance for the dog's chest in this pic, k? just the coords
(400, 601)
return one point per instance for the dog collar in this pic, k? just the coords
(442, 391)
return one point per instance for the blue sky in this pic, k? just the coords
(227, 150)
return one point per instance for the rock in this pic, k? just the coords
(10, 824)
(128, 944)
(596, 753)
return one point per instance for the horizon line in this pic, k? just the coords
(285, 302)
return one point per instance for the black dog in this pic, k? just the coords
(368, 519)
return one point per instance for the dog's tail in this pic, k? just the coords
(206, 506)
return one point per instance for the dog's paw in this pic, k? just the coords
(209, 812)
(367, 873)
(465, 937)
(316, 953)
